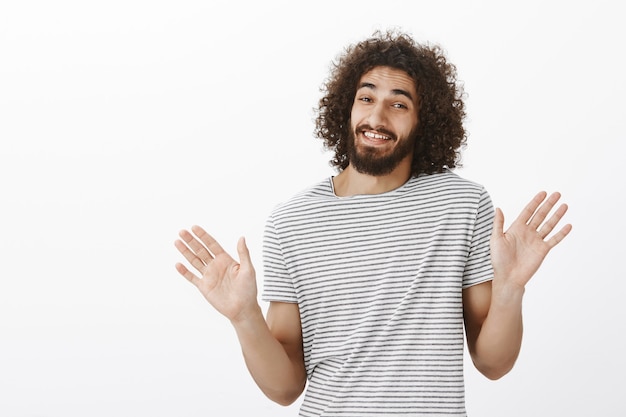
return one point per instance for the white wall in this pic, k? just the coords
(122, 122)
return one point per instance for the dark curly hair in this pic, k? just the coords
(440, 133)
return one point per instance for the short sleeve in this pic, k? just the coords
(478, 267)
(277, 283)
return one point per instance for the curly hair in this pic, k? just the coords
(440, 133)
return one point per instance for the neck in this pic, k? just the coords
(351, 182)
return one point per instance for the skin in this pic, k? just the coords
(385, 104)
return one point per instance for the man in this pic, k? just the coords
(374, 275)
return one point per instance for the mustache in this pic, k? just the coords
(362, 128)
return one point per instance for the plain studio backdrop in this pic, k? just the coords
(122, 122)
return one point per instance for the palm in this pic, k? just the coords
(517, 254)
(226, 285)
(229, 286)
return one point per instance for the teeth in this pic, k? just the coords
(376, 135)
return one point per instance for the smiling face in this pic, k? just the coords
(384, 120)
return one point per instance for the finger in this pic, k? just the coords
(189, 255)
(498, 223)
(543, 211)
(195, 245)
(244, 253)
(528, 211)
(551, 223)
(182, 269)
(208, 240)
(558, 237)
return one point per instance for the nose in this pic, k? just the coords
(378, 116)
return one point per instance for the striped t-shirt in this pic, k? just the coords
(378, 280)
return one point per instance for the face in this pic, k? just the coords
(383, 121)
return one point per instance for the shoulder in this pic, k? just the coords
(446, 185)
(303, 199)
(447, 179)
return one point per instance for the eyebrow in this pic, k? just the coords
(395, 91)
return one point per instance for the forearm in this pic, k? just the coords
(280, 377)
(499, 341)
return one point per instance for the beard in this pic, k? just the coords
(371, 161)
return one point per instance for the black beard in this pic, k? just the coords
(367, 160)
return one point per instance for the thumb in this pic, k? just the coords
(498, 223)
(244, 253)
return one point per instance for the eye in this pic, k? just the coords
(365, 99)
(400, 106)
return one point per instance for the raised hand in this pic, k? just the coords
(518, 253)
(229, 286)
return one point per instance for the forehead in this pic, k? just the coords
(388, 78)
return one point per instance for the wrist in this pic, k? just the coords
(249, 316)
(507, 293)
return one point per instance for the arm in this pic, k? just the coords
(493, 326)
(272, 349)
(493, 310)
(273, 352)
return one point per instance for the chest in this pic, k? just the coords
(368, 257)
